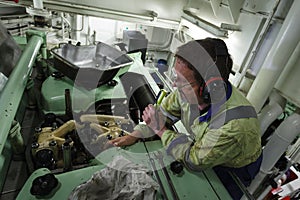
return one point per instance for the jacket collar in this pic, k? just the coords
(213, 109)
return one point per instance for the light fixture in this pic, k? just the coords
(205, 25)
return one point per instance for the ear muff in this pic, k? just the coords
(222, 56)
(214, 89)
(215, 86)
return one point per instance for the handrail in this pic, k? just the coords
(16, 84)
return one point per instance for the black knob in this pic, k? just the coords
(106, 123)
(122, 133)
(52, 143)
(43, 185)
(112, 83)
(35, 145)
(38, 129)
(176, 167)
(57, 75)
(109, 137)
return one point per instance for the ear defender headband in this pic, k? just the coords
(214, 90)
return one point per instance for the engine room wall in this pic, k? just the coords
(239, 43)
(89, 30)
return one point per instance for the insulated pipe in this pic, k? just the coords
(271, 111)
(14, 88)
(282, 137)
(268, 115)
(276, 60)
(275, 97)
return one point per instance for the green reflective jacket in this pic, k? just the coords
(235, 143)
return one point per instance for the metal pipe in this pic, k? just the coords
(276, 60)
(268, 115)
(14, 88)
(66, 147)
(102, 10)
(82, 23)
(260, 41)
(271, 111)
(277, 145)
(62, 25)
(280, 140)
(205, 25)
(68, 104)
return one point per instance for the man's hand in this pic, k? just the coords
(154, 119)
(125, 140)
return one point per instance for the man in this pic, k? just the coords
(223, 131)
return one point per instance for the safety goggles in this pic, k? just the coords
(178, 86)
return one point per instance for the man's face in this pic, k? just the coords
(185, 81)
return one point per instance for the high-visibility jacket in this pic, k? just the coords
(227, 134)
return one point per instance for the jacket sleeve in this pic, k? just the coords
(171, 106)
(216, 147)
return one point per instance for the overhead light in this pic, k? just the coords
(230, 27)
(193, 30)
(207, 26)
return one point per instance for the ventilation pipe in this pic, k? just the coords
(276, 60)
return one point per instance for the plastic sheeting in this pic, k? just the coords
(121, 179)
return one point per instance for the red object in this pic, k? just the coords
(16, 1)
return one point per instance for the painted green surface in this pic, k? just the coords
(5, 158)
(188, 186)
(53, 93)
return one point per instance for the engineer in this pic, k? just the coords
(223, 130)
